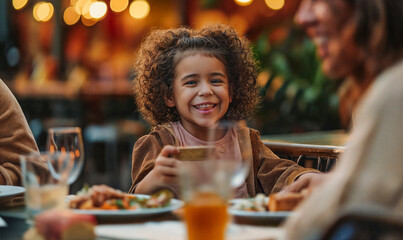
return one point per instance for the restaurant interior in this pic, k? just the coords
(69, 63)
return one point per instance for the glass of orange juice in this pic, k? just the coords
(205, 188)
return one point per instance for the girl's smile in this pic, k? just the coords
(200, 92)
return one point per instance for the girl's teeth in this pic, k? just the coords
(204, 106)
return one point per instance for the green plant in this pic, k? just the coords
(296, 96)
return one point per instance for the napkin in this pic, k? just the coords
(174, 230)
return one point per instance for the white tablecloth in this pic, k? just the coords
(175, 230)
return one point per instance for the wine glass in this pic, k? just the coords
(231, 146)
(67, 140)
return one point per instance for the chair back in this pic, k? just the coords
(366, 222)
(320, 157)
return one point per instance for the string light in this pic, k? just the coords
(70, 16)
(139, 9)
(275, 4)
(243, 3)
(18, 4)
(43, 11)
(98, 10)
(118, 5)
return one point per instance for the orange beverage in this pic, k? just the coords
(206, 217)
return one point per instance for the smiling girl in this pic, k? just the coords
(184, 82)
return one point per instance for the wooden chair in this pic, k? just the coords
(321, 157)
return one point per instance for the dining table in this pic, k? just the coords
(164, 224)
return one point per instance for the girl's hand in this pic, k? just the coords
(165, 170)
(164, 173)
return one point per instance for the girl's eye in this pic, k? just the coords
(216, 81)
(190, 83)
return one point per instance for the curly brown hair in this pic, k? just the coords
(156, 59)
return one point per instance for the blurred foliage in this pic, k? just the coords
(296, 96)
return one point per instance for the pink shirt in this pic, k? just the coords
(228, 148)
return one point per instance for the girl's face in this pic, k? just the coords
(200, 92)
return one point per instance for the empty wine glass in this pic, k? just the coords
(68, 140)
(232, 146)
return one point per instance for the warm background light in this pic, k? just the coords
(18, 4)
(88, 22)
(139, 9)
(70, 16)
(79, 5)
(118, 5)
(275, 4)
(243, 3)
(85, 10)
(43, 11)
(98, 10)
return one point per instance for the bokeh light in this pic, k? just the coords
(70, 16)
(88, 22)
(243, 3)
(275, 4)
(43, 11)
(18, 4)
(118, 5)
(85, 10)
(139, 9)
(98, 10)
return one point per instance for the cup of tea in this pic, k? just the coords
(205, 189)
(194, 153)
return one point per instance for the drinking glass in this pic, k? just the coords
(235, 134)
(205, 189)
(68, 140)
(45, 177)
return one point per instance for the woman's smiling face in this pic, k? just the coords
(329, 25)
(201, 92)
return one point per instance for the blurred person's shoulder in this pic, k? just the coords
(386, 93)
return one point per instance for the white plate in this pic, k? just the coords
(174, 204)
(275, 216)
(8, 191)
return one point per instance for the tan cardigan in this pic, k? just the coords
(370, 171)
(268, 173)
(15, 138)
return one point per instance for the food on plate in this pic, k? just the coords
(256, 204)
(107, 198)
(286, 201)
(62, 225)
(193, 153)
(275, 202)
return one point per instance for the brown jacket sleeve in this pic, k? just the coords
(270, 172)
(15, 137)
(146, 150)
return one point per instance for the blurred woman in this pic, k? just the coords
(363, 40)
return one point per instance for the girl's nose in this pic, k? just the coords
(205, 89)
(305, 16)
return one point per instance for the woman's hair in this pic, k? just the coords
(156, 59)
(379, 31)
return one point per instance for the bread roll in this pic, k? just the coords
(284, 201)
